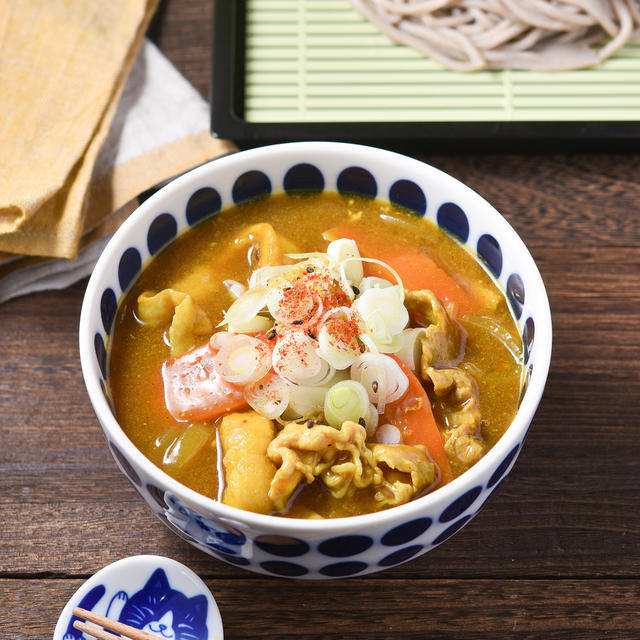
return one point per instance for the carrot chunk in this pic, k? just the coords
(193, 391)
(413, 416)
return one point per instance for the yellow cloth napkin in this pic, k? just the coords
(63, 66)
(160, 129)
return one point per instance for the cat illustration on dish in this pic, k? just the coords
(156, 608)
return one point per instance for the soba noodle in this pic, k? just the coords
(469, 35)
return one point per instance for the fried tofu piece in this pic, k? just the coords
(248, 472)
(187, 321)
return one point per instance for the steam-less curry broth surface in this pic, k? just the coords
(198, 262)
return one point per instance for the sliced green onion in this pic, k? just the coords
(235, 288)
(264, 274)
(388, 434)
(373, 282)
(347, 257)
(371, 421)
(241, 316)
(391, 270)
(296, 361)
(305, 401)
(382, 378)
(336, 343)
(269, 396)
(411, 347)
(312, 255)
(241, 359)
(384, 315)
(346, 400)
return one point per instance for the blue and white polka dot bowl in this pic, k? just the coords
(313, 549)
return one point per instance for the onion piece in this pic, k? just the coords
(242, 359)
(295, 359)
(345, 254)
(269, 396)
(239, 317)
(391, 270)
(305, 401)
(388, 434)
(262, 275)
(346, 400)
(235, 288)
(382, 377)
(338, 337)
(410, 351)
(293, 304)
(384, 315)
(373, 282)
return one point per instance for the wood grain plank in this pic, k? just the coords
(359, 608)
(560, 201)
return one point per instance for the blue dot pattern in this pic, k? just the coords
(203, 203)
(359, 181)
(407, 194)
(460, 505)
(238, 560)
(343, 569)
(281, 568)
(449, 531)
(222, 549)
(527, 338)
(406, 532)
(303, 177)
(400, 556)
(128, 470)
(489, 250)
(452, 218)
(101, 353)
(282, 546)
(108, 306)
(129, 265)
(502, 467)
(344, 546)
(161, 231)
(515, 293)
(251, 185)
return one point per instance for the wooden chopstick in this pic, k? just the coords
(123, 629)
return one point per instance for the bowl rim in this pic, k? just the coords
(513, 436)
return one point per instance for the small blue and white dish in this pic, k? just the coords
(316, 549)
(151, 593)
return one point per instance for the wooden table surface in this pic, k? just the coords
(554, 554)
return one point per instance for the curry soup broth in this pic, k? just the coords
(198, 262)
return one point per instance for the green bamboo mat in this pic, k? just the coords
(320, 61)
